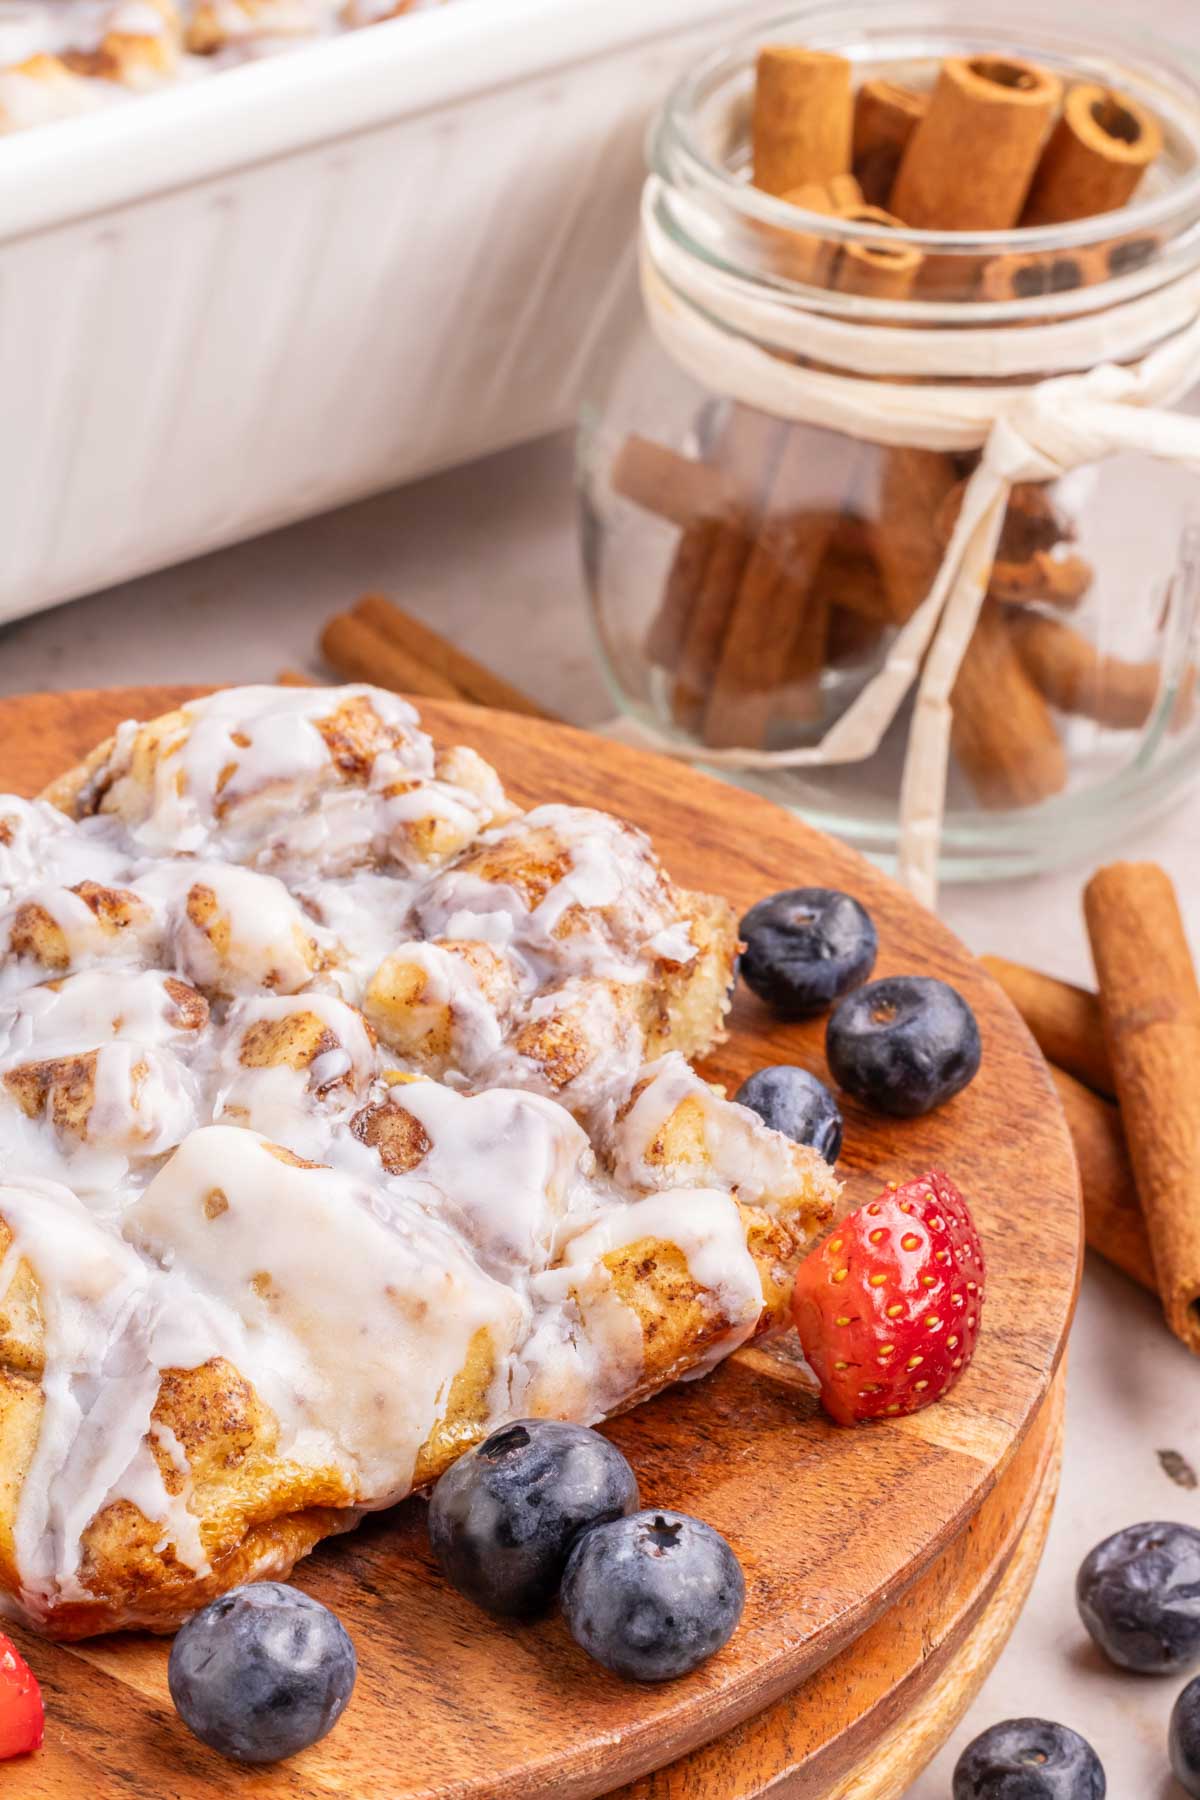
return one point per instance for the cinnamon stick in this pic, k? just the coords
(805, 256)
(850, 580)
(1003, 734)
(885, 116)
(358, 653)
(1127, 253)
(1057, 578)
(668, 631)
(444, 662)
(748, 451)
(1113, 1219)
(842, 622)
(778, 623)
(674, 487)
(853, 637)
(1065, 1021)
(1032, 562)
(770, 619)
(1095, 159)
(913, 486)
(877, 269)
(970, 162)
(1029, 276)
(803, 117)
(1073, 676)
(1151, 1004)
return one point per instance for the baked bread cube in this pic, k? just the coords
(288, 778)
(53, 931)
(675, 1129)
(291, 1067)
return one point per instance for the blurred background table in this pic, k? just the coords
(487, 555)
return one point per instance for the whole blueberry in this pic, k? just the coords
(791, 1100)
(1184, 1740)
(904, 1045)
(262, 1672)
(1139, 1595)
(1029, 1759)
(653, 1596)
(806, 946)
(504, 1516)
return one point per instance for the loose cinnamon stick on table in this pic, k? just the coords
(473, 680)
(358, 653)
(885, 116)
(377, 642)
(1095, 159)
(1113, 1218)
(803, 117)
(1151, 1004)
(1065, 1021)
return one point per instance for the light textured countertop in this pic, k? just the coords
(487, 555)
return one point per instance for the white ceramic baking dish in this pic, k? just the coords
(249, 299)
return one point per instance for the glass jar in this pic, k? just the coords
(787, 411)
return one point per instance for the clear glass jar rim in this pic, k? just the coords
(675, 153)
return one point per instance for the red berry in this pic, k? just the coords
(888, 1307)
(20, 1704)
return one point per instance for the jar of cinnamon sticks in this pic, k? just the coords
(890, 485)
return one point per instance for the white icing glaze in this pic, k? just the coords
(760, 1166)
(233, 931)
(295, 1104)
(358, 1308)
(137, 1132)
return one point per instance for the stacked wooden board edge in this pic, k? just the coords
(875, 1559)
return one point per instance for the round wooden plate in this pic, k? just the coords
(834, 1528)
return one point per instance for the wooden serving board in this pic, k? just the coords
(873, 1558)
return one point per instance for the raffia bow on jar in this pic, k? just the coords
(982, 390)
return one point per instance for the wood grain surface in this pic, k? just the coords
(833, 1527)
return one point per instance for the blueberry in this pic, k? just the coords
(1029, 1759)
(1185, 1739)
(806, 946)
(653, 1596)
(791, 1100)
(503, 1518)
(1138, 1593)
(904, 1045)
(262, 1672)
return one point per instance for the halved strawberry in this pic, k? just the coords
(888, 1307)
(21, 1717)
